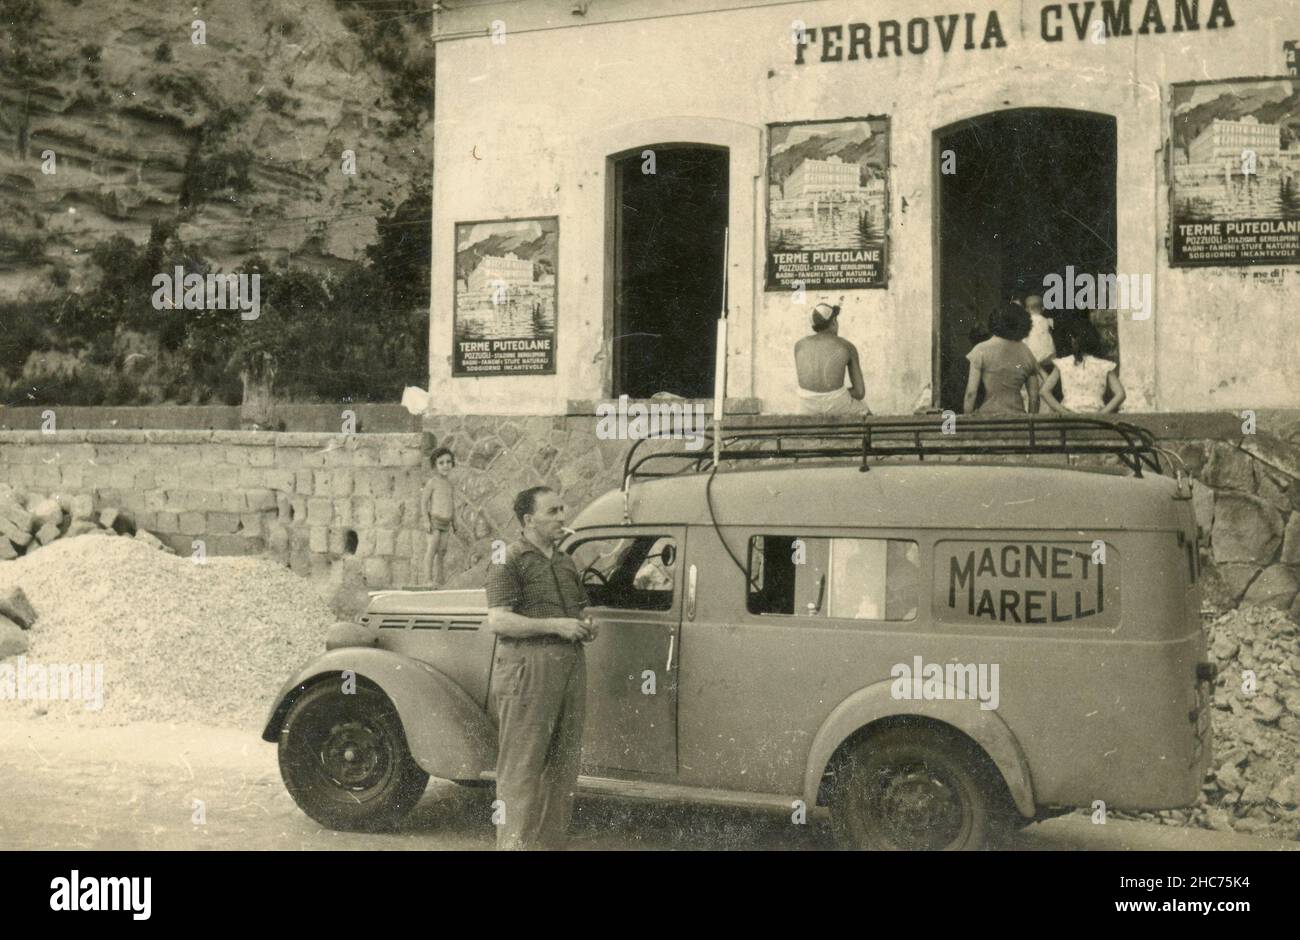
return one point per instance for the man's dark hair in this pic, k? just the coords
(1010, 322)
(526, 501)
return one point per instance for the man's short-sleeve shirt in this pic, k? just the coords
(532, 585)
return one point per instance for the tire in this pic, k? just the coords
(345, 761)
(915, 789)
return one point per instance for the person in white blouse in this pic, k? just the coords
(1082, 377)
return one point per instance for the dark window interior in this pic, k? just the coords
(1033, 192)
(669, 228)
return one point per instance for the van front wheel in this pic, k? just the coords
(910, 789)
(344, 759)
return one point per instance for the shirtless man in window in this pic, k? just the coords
(821, 360)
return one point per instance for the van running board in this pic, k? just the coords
(677, 793)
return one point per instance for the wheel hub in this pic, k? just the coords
(354, 755)
(919, 808)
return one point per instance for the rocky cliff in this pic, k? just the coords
(113, 116)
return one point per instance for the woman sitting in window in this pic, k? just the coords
(1002, 365)
(1083, 375)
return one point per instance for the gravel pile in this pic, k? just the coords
(178, 641)
(1254, 782)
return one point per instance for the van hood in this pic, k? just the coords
(471, 601)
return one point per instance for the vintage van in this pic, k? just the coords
(852, 617)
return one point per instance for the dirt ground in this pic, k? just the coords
(135, 787)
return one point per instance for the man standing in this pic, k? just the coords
(539, 679)
(821, 361)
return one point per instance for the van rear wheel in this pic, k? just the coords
(910, 789)
(345, 761)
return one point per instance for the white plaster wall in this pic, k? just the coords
(520, 129)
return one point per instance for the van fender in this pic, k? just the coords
(448, 734)
(984, 726)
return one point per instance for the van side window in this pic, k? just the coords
(631, 573)
(845, 578)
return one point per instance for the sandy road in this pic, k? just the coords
(67, 787)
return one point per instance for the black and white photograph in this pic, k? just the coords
(826, 204)
(505, 297)
(1236, 172)
(759, 428)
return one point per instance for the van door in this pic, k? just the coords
(632, 577)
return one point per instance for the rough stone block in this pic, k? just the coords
(1246, 529)
(376, 572)
(320, 540)
(337, 540)
(388, 513)
(143, 535)
(277, 538)
(320, 511)
(47, 533)
(222, 523)
(1229, 468)
(363, 512)
(343, 512)
(276, 480)
(1276, 587)
(225, 477)
(85, 527)
(12, 512)
(192, 523)
(108, 518)
(15, 605)
(13, 639)
(82, 506)
(166, 522)
(1291, 541)
(259, 500)
(262, 457)
(386, 542)
(47, 511)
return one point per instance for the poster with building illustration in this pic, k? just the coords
(504, 320)
(1235, 172)
(828, 204)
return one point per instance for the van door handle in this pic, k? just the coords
(691, 577)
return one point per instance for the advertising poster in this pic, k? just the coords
(1235, 173)
(504, 322)
(828, 204)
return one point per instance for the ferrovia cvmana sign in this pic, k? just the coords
(1093, 19)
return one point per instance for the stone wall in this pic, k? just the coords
(310, 499)
(298, 497)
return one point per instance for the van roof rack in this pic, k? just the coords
(919, 436)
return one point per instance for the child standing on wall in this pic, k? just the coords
(438, 508)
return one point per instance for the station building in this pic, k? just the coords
(994, 145)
